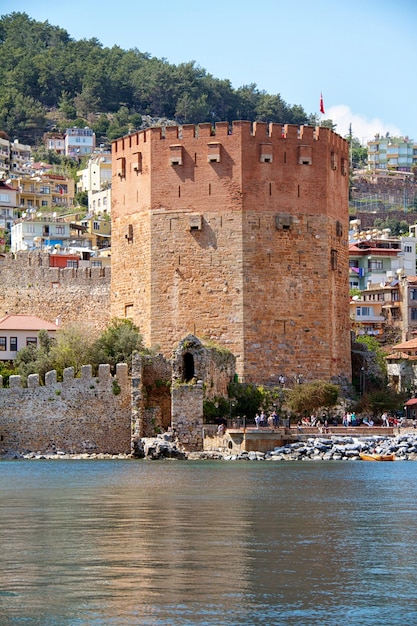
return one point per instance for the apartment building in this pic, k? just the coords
(79, 142)
(8, 205)
(392, 153)
(55, 142)
(97, 173)
(375, 258)
(44, 192)
(95, 179)
(14, 158)
(35, 231)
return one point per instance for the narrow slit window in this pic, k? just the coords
(333, 259)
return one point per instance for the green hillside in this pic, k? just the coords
(50, 81)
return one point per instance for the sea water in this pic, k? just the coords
(209, 542)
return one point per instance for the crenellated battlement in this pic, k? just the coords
(78, 415)
(39, 262)
(86, 379)
(244, 130)
(29, 286)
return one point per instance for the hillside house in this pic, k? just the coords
(19, 331)
(33, 231)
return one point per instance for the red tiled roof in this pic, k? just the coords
(401, 355)
(406, 345)
(354, 249)
(25, 322)
(4, 185)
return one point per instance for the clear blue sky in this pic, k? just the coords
(361, 55)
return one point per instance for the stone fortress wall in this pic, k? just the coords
(239, 237)
(29, 286)
(90, 414)
(107, 414)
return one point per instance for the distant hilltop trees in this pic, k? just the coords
(52, 82)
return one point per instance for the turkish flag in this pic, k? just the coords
(321, 104)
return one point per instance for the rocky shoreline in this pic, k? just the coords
(330, 448)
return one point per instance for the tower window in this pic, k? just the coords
(339, 229)
(175, 155)
(121, 167)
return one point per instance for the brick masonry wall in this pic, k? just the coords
(29, 286)
(79, 415)
(248, 253)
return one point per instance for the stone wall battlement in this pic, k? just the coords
(31, 287)
(36, 265)
(86, 379)
(86, 414)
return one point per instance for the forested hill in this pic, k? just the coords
(49, 81)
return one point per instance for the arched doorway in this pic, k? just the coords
(188, 367)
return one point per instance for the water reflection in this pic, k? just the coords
(154, 543)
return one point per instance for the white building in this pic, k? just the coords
(99, 202)
(79, 142)
(14, 158)
(33, 230)
(97, 173)
(8, 205)
(375, 257)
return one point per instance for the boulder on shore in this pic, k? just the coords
(160, 447)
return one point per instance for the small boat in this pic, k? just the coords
(373, 456)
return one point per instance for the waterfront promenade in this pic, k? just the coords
(239, 437)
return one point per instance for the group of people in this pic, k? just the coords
(322, 424)
(264, 421)
(393, 420)
(350, 419)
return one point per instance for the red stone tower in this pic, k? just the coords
(238, 235)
